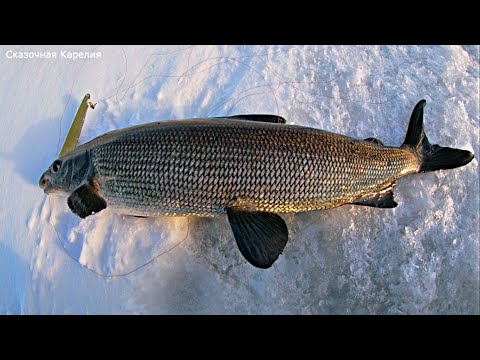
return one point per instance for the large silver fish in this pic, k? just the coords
(249, 167)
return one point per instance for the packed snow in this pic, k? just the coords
(419, 258)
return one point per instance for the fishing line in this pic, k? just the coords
(282, 82)
(121, 274)
(236, 59)
(188, 64)
(159, 54)
(134, 83)
(276, 74)
(277, 107)
(157, 76)
(188, 72)
(124, 75)
(238, 94)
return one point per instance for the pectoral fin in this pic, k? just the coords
(86, 201)
(261, 237)
(259, 117)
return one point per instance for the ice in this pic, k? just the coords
(419, 258)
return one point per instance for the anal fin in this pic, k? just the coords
(86, 201)
(258, 117)
(261, 236)
(383, 199)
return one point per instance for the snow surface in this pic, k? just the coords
(419, 258)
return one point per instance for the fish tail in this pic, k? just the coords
(432, 157)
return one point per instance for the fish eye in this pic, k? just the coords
(57, 164)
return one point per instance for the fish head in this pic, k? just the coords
(66, 174)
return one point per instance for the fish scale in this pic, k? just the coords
(203, 166)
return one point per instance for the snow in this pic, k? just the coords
(419, 258)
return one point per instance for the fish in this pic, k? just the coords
(250, 168)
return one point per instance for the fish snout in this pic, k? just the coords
(44, 182)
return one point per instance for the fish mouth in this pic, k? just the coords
(45, 184)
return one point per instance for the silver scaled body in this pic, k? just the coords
(203, 166)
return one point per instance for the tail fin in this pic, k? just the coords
(433, 157)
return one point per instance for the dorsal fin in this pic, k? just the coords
(373, 140)
(257, 117)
